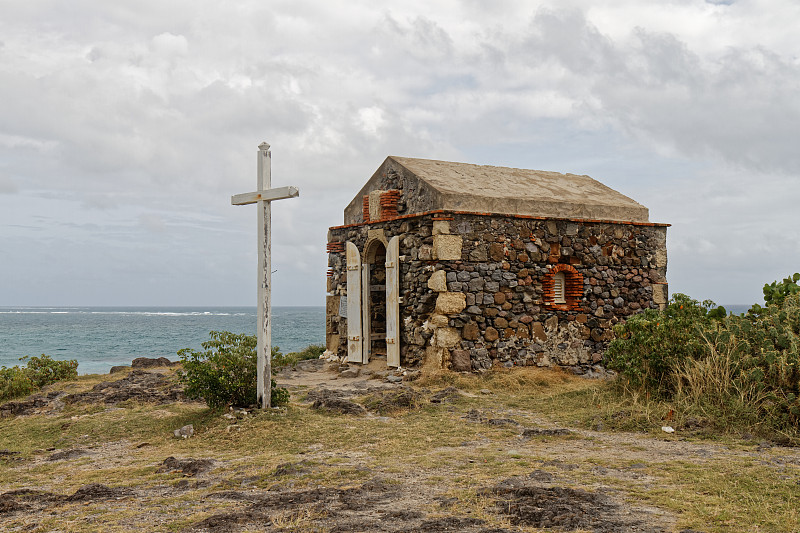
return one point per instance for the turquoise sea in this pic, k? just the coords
(102, 337)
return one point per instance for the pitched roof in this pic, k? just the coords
(484, 188)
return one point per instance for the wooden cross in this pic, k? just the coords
(264, 196)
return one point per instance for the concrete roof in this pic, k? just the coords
(483, 188)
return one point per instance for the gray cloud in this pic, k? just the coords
(142, 119)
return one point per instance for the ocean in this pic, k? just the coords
(102, 337)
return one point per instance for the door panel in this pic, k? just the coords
(355, 341)
(393, 302)
(366, 322)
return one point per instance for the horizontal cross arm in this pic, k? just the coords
(269, 195)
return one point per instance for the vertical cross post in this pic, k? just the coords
(264, 379)
(264, 196)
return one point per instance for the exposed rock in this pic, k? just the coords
(385, 402)
(189, 467)
(351, 372)
(97, 491)
(540, 432)
(151, 362)
(184, 432)
(138, 385)
(328, 400)
(67, 454)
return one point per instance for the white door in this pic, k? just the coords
(366, 320)
(355, 341)
(393, 302)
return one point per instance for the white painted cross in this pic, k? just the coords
(264, 196)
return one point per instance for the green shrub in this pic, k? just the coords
(290, 359)
(776, 292)
(39, 371)
(735, 370)
(225, 373)
(767, 353)
(650, 346)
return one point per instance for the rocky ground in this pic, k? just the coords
(568, 479)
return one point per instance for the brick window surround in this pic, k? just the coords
(573, 290)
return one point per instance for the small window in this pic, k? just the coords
(559, 288)
(563, 288)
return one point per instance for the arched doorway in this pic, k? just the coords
(375, 304)
(373, 296)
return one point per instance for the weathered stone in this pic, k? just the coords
(499, 298)
(500, 322)
(661, 258)
(351, 372)
(450, 303)
(435, 356)
(538, 332)
(460, 361)
(491, 334)
(551, 323)
(660, 294)
(497, 251)
(447, 247)
(446, 337)
(441, 227)
(438, 281)
(478, 254)
(438, 321)
(470, 331)
(476, 284)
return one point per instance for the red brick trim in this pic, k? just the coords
(335, 247)
(526, 217)
(389, 201)
(573, 291)
(365, 209)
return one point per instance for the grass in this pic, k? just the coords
(433, 444)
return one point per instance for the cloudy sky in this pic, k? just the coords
(125, 127)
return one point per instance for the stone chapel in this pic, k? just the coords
(467, 267)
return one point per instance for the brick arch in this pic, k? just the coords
(573, 290)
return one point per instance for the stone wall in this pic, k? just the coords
(475, 294)
(414, 195)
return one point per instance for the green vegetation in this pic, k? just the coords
(292, 358)
(225, 373)
(776, 292)
(736, 371)
(39, 371)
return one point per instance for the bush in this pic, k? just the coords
(767, 356)
(651, 346)
(776, 292)
(290, 359)
(736, 370)
(39, 371)
(226, 372)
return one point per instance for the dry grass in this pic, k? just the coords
(508, 380)
(433, 447)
